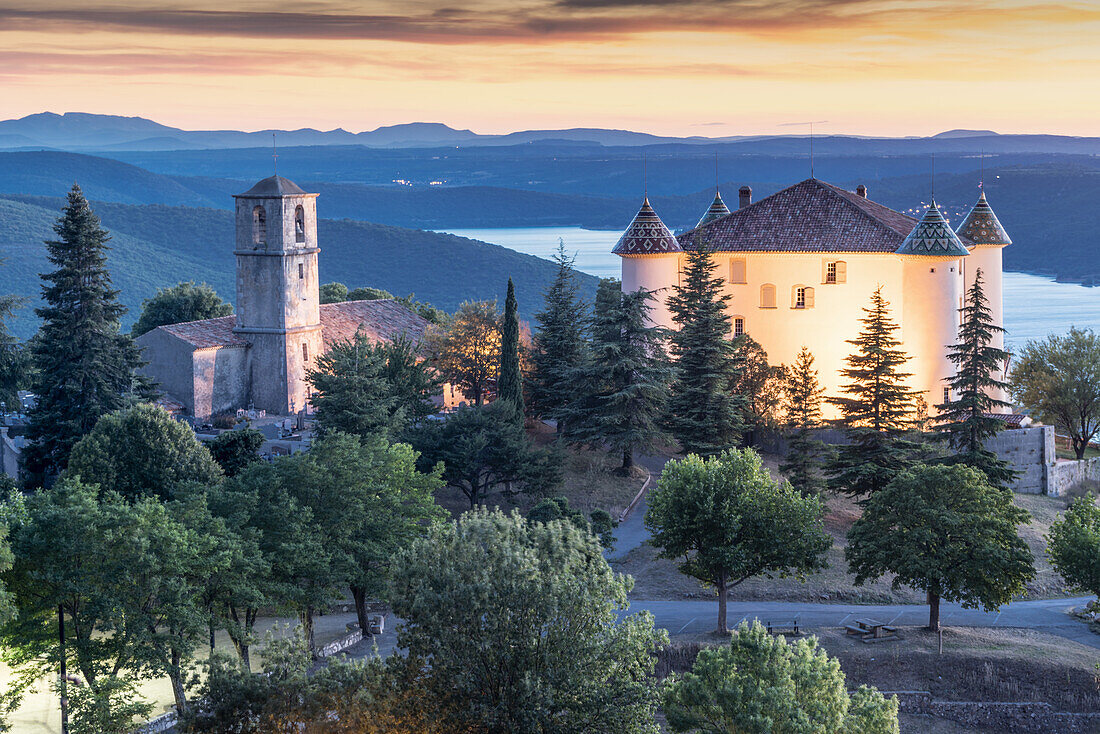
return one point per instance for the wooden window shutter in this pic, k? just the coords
(809, 297)
(841, 271)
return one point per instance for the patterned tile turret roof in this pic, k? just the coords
(982, 227)
(933, 236)
(718, 209)
(646, 235)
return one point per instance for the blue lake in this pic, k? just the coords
(1034, 305)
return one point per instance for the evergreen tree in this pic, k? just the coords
(878, 410)
(559, 343)
(510, 381)
(803, 394)
(85, 365)
(626, 380)
(965, 421)
(705, 412)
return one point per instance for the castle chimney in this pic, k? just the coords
(861, 190)
(744, 196)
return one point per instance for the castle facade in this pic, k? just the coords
(800, 266)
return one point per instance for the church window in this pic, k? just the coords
(301, 271)
(767, 296)
(299, 224)
(737, 270)
(259, 225)
(802, 297)
(305, 351)
(738, 326)
(835, 272)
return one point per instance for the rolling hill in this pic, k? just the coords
(154, 246)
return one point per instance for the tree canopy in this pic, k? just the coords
(1058, 379)
(467, 351)
(726, 520)
(759, 684)
(802, 394)
(1074, 545)
(510, 379)
(525, 627)
(946, 531)
(181, 303)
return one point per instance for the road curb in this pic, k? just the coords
(637, 498)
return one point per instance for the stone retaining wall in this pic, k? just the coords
(1028, 717)
(1065, 475)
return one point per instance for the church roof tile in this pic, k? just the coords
(273, 186)
(811, 216)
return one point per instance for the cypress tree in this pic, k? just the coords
(803, 395)
(705, 411)
(85, 366)
(878, 411)
(965, 422)
(559, 344)
(510, 381)
(625, 383)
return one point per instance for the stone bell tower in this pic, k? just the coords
(278, 301)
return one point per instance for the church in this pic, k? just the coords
(800, 266)
(259, 357)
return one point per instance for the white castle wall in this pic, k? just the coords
(989, 259)
(929, 319)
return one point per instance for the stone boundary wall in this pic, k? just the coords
(1016, 716)
(1065, 475)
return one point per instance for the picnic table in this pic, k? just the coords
(871, 630)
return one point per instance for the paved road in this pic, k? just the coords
(631, 532)
(1046, 615)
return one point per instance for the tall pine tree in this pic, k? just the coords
(625, 383)
(878, 411)
(85, 366)
(705, 411)
(510, 381)
(965, 421)
(802, 396)
(559, 344)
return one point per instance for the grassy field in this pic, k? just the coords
(657, 578)
(976, 665)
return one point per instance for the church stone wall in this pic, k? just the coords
(170, 365)
(220, 376)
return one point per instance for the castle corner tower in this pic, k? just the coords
(650, 260)
(278, 299)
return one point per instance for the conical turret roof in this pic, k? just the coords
(718, 209)
(982, 227)
(646, 235)
(933, 236)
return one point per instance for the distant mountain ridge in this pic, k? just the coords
(82, 131)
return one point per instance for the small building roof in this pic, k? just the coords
(982, 227)
(718, 209)
(272, 186)
(933, 236)
(381, 320)
(646, 235)
(810, 216)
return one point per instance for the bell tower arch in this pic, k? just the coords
(278, 299)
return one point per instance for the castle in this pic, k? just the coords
(800, 266)
(259, 357)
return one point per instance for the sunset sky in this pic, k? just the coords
(711, 67)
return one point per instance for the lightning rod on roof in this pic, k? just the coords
(274, 154)
(811, 124)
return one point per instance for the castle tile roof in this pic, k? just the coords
(811, 216)
(381, 320)
(273, 186)
(982, 227)
(718, 209)
(933, 236)
(646, 235)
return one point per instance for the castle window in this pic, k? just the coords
(767, 296)
(301, 271)
(738, 326)
(305, 352)
(737, 270)
(259, 225)
(946, 395)
(835, 272)
(802, 297)
(299, 224)
(931, 270)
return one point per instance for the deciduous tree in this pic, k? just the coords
(946, 531)
(181, 303)
(525, 627)
(1074, 545)
(726, 520)
(759, 684)
(759, 386)
(84, 365)
(333, 292)
(467, 351)
(624, 384)
(236, 449)
(705, 413)
(1058, 378)
(877, 411)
